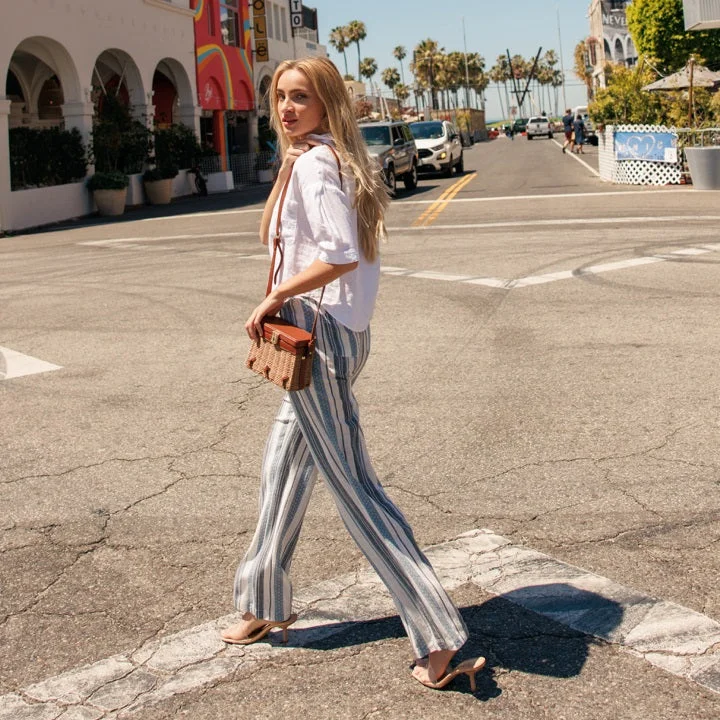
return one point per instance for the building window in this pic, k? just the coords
(283, 22)
(269, 19)
(230, 22)
(276, 10)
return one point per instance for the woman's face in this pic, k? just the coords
(298, 105)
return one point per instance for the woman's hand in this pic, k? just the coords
(269, 306)
(293, 153)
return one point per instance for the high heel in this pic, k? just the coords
(466, 667)
(260, 632)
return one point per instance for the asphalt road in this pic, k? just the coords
(544, 366)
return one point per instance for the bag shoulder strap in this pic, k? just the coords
(278, 227)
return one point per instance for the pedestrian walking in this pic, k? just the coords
(579, 135)
(568, 130)
(332, 222)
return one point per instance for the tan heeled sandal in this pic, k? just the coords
(466, 667)
(260, 632)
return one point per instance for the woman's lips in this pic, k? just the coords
(289, 122)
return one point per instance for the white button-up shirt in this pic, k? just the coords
(319, 222)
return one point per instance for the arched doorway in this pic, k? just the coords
(619, 51)
(172, 94)
(264, 94)
(115, 73)
(41, 79)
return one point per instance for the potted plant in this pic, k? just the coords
(109, 190)
(158, 184)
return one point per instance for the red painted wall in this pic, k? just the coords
(224, 72)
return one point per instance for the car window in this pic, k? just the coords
(538, 119)
(397, 134)
(406, 132)
(427, 130)
(376, 135)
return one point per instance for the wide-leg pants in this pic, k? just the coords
(318, 428)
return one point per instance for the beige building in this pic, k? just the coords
(57, 56)
(284, 43)
(609, 40)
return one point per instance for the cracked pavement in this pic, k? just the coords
(580, 421)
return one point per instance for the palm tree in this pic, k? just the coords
(583, 69)
(399, 54)
(368, 68)
(476, 79)
(427, 60)
(500, 74)
(356, 32)
(402, 92)
(340, 41)
(391, 78)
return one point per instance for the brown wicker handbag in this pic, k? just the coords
(284, 353)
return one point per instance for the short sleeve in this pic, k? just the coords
(332, 219)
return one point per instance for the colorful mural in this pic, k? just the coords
(224, 71)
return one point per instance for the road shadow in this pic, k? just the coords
(512, 631)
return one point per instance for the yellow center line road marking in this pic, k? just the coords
(454, 191)
(440, 203)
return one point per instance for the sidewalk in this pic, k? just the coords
(187, 205)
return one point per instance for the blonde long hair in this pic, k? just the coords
(371, 194)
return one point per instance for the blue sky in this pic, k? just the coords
(490, 28)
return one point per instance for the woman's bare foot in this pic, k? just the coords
(433, 667)
(243, 629)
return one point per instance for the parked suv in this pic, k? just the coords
(538, 127)
(439, 146)
(391, 143)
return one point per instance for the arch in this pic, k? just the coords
(38, 58)
(116, 70)
(212, 94)
(50, 100)
(608, 52)
(619, 51)
(263, 101)
(171, 91)
(630, 52)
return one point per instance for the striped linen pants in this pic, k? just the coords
(318, 429)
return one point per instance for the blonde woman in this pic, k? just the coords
(332, 221)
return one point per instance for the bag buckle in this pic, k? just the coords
(275, 337)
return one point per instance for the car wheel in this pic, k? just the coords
(550, 135)
(460, 167)
(529, 137)
(391, 180)
(410, 179)
(449, 168)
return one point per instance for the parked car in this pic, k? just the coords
(439, 146)
(539, 127)
(519, 126)
(392, 145)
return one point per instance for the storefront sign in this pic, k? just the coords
(296, 14)
(260, 31)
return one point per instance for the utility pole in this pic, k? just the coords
(562, 67)
(467, 74)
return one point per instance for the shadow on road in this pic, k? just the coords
(507, 633)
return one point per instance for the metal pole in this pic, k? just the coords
(562, 67)
(467, 74)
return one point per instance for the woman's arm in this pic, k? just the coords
(319, 273)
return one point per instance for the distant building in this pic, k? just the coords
(284, 42)
(609, 40)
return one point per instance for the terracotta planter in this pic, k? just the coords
(110, 202)
(159, 192)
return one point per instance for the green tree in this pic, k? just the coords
(583, 69)
(658, 31)
(399, 53)
(624, 102)
(500, 74)
(356, 32)
(391, 78)
(340, 41)
(428, 59)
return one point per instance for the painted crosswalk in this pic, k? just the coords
(677, 640)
